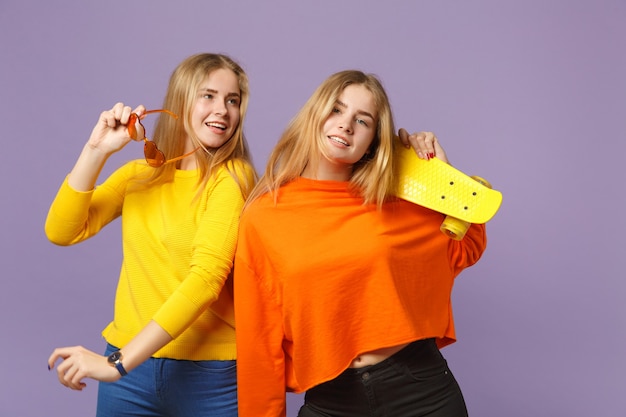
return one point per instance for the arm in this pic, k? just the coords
(79, 363)
(77, 215)
(213, 251)
(467, 252)
(107, 137)
(462, 253)
(211, 263)
(260, 356)
(79, 211)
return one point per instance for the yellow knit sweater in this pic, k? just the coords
(178, 249)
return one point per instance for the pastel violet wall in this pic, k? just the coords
(528, 94)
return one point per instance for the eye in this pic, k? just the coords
(233, 101)
(336, 110)
(362, 122)
(208, 96)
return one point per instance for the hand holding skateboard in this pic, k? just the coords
(441, 187)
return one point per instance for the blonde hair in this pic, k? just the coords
(302, 143)
(180, 98)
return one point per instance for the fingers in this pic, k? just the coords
(70, 374)
(56, 354)
(439, 152)
(117, 115)
(69, 371)
(140, 111)
(113, 130)
(425, 144)
(121, 113)
(404, 137)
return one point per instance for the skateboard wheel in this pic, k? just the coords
(482, 181)
(454, 228)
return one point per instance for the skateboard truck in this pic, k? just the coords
(456, 228)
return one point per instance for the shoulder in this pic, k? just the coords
(235, 171)
(259, 210)
(135, 169)
(238, 167)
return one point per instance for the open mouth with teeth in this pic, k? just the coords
(216, 125)
(338, 140)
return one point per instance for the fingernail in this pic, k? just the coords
(48, 367)
(431, 155)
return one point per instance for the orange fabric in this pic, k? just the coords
(320, 278)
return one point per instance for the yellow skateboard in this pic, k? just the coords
(439, 186)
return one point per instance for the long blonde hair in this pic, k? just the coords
(302, 142)
(170, 133)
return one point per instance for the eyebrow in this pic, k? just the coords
(362, 112)
(210, 90)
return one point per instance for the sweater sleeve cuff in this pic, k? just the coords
(176, 314)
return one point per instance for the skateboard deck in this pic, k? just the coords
(439, 186)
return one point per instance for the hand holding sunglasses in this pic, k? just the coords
(154, 156)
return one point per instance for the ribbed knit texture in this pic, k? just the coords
(178, 249)
(320, 278)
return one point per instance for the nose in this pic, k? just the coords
(346, 124)
(220, 108)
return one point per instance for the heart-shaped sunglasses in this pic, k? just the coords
(154, 156)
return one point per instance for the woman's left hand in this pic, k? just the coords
(425, 144)
(79, 363)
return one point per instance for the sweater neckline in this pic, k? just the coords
(186, 173)
(321, 184)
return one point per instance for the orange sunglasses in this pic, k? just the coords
(154, 156)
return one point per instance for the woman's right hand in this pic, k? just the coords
(110, 134)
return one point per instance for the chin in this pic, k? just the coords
(214, 144)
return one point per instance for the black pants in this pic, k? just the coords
(413, 382)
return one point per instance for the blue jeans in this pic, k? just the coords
(171, 388)
(414, 382)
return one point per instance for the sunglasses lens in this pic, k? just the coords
(132, 129)
(136, 131)
(154, 156)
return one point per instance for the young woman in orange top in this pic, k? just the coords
(341, 290)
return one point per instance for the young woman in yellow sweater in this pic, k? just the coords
(341, 290)
(171, 344)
